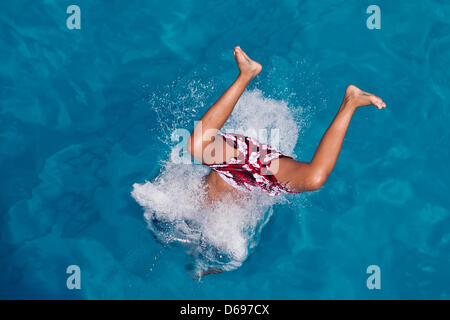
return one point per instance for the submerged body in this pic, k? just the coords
(218, 215)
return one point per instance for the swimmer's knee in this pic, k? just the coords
(306, 177)
(317, 180)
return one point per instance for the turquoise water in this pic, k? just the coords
(84, 114)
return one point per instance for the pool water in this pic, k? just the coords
(86, 114)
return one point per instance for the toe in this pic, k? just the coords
(380, 104)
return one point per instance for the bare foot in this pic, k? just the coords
(247, 66)
(358, 98)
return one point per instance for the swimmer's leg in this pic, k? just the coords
(303, 176)
(217, 115)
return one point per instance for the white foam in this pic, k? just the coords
(254, 113)
(223, 235)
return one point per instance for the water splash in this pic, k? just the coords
(221, 236)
